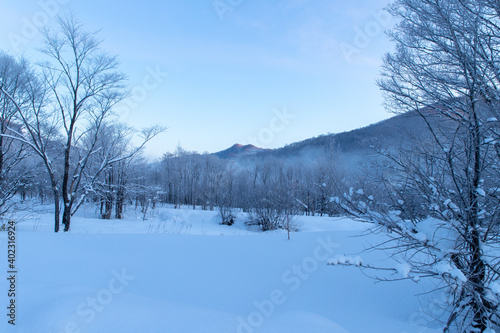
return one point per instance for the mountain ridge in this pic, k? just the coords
(395, 131)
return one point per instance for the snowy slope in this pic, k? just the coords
(182, 272)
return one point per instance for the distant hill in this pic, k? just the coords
(238, 150)
(399, 131)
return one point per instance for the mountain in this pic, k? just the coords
(403, 130)
(238, 150)
(397, 131)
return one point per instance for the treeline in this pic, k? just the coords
(271, 190)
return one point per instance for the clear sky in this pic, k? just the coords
(215, 73)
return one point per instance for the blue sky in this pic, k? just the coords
(265, 72)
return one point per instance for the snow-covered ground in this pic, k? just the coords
(180, 271)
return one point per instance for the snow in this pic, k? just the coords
(421, 237)
(345, 260)
(450, 204)
(441, 234)
(403, 270)
(495, 287)
(362, 205)
(490, 141)
(180, 271)
(446, 268)
(395, 213)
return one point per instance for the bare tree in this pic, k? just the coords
(85, 86)
(225, 196)
(14, 169)
(39, 131)
(70, 102)
(115, 147)
(272, 194)
(445, 69)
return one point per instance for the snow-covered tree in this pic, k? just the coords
(70, 101)
(15, 168)
(445, 68)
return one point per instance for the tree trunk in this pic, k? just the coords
(480, 304)
(108, 208)
(2, 157)
(119, 205)
(120, 190)
(66, 217)
(108, 195)
(478, 269)
(57, 210)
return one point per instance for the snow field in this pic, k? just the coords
(181, 271)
